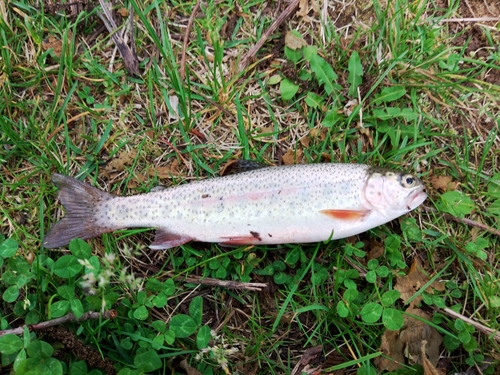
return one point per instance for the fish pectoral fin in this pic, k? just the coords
(166, 240)
(348, 215)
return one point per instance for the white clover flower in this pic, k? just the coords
(110, 257)
(26, 303)
(86, 263)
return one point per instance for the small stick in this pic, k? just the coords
(281, 18)
(186, 38)
(463, 221)
(226, 283)
(490, 332)
(108, 314)
(128, 53)
(168, 143)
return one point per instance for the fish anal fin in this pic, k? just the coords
(241, 240)
(166, 240)
(347, 215)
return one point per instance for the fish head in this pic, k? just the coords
(393, 193)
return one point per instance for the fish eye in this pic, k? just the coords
(408, 180)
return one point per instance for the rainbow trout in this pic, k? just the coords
(272, 205)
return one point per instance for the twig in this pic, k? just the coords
(108, 314)
(128, 53)
(281, 18)
(186, 38)
(463, 221)
(490, 332)
(226, 283)
(479, 19)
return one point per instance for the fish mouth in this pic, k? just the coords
(418, 198)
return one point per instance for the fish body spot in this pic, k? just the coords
(256, 235)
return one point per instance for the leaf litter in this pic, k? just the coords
(416, 342)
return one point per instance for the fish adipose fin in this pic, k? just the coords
(347, 215)
(166, 240)
(80, 201)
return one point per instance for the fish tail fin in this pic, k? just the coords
(81, 202)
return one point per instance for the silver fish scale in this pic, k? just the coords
(268, 192)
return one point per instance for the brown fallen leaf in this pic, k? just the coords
(136, 181)
(405, 346)
(408, 285)
(444, 183)
(305, 141)
(392, 347)
(161, 172)
(55, 44)
(189, 370)
(376, 250)
(311, 354)
(367, 133)
(429, 368)
(303, 8)
(121, 160)
(292, 156)
(123, 12)
(319, 133)
(294, 41)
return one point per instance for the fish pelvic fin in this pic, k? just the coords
(166, 240)
(81, 202)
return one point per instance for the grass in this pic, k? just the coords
(390, 84)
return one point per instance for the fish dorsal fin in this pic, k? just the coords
(240, 166)
(166, 240)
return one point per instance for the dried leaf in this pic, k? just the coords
(173, 110)
(137, 180)
(311, 354)
(392, 347)
(376, 250)
(319, 133)
(55, 43)
(267, 129)
(189, 370)
(292, 157)
(367, 133)
(294, 40)
(350, 106)
(118, 163)
(303, 8)
(429, 368)
(444, 183)
(406, 345)
(161, 172)
(408, 285)
(122, 12)
(305, 141)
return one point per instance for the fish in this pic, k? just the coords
(303, 203)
